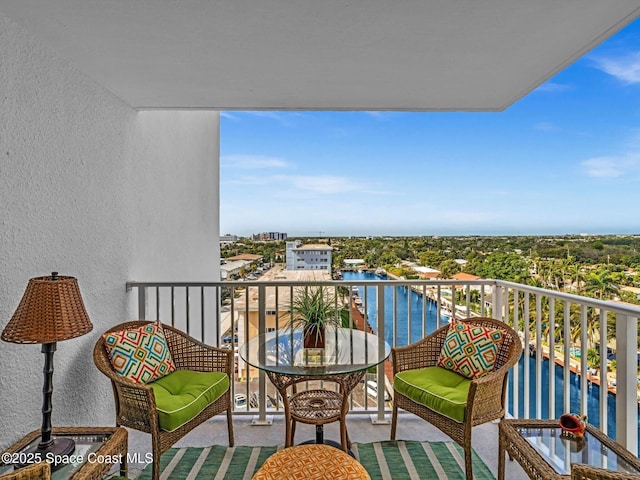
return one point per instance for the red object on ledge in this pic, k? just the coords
(574, 424)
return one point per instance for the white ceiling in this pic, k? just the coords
(321, 54)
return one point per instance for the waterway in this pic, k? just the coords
(407, 300)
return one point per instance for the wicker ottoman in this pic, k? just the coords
(311, 462)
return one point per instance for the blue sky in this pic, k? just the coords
(564, 159)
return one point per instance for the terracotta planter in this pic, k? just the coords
(314, 336)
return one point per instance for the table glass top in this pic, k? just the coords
(346, 351)
(85, 445)
(560, 451)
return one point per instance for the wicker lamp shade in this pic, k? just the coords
(51, 310)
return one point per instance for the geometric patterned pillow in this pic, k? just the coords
(470, 350)
(140, 354)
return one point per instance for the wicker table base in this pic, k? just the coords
(317, 407)
(113, 446)
(513, 442)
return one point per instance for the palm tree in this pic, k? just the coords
(593, 359)
(593, 326)
(576, 275)
(601, 284)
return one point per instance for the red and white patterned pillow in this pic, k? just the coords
(140, 354)
(470, 350)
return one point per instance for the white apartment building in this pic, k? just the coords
(308, 257)
(269, 236)
(228, 239)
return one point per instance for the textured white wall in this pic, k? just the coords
(177, 209)
(91, 188)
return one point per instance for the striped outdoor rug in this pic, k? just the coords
(390, 460)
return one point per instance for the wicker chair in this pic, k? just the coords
(485, 400)
(136, 404)
(580, 471)
(35, 471)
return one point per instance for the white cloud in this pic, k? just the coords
(545, 127)
(286, 119)
(326, 184)
(228, 116)
(554, 87)
(626, 69)
(252, 162)
(381, 115)
(306, 186)
(611, 167)
(249, 180)
(267, 114)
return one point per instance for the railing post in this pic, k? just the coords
(379, 418)
(627, 382)
(496, 308)
(142, 303)
(261, 419)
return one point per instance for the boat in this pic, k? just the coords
(380, 271)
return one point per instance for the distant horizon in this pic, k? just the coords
(566, 157)
(580, 235)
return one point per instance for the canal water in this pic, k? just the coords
(407, 300)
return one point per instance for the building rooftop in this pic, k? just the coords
(427, 270)
(465, 276)
(246, 256)
(279, 296)
(312, 246)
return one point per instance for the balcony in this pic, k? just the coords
(554, 327)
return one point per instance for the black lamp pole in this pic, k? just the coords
(51, 449)
(59, 446)
(47, 391)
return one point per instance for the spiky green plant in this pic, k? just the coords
(315, 308)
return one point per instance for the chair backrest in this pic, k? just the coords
(185, 351)
(100, 356)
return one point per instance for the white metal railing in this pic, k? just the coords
(560, 326)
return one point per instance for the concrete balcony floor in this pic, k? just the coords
(360, 427)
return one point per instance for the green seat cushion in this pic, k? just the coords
(436, 388)
(183, 394)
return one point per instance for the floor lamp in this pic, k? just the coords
(51, 310)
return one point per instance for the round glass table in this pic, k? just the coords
(347, 356)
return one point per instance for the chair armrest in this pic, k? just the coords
(421, 354)
(135, 405)
(486, 396)
(190, 354)
(135, 402)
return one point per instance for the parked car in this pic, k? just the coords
(240, 400)
(227, 339)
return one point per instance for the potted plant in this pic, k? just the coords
(314, 308)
